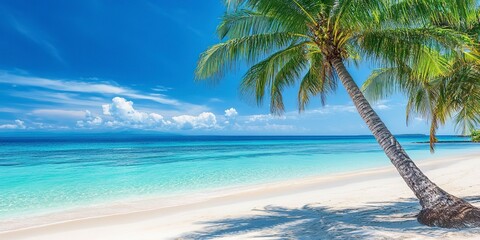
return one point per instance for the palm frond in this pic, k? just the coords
(318, 81)
(286, 76)
(391, 47)
(452, 13)
(264, 74)
(226, 56)
(246, 22)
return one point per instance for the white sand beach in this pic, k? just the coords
(374, 204)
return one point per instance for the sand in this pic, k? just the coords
(373, 204)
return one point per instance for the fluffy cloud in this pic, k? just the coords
(205, 120)
(90, 120)
(231, 118)
(122, 114)
(18, 124)
(231, 113)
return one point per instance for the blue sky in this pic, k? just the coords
(105, 65)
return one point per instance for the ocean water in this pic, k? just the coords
(44, 174)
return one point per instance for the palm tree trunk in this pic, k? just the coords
(439, 208)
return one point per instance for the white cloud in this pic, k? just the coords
(160, 88)
(40, 125)
(106, 109)
(68, 99)
(90, 120)
(264, 118)
(381, 105)
(120, 113)
(58, 113)
(84, 87)
(123, 114)
(231, 113)
(345, 108)
(259, 117)
(419, 119)
(205, 120)
(59, 99)
(160, 98)
(271, 128)
(18, 124)
(332, 109)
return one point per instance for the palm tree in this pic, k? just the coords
(309, 43)
(454, 95)
(438, 97)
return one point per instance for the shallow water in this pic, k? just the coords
(43, 174)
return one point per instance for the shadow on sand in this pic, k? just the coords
(377, 220)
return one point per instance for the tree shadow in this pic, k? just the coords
(377, 220)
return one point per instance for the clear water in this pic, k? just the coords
(51, 173)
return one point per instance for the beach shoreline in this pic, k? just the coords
(240, 201)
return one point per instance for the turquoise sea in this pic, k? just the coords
(41, 174)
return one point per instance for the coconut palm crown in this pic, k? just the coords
(452, 94)
(308, 43)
